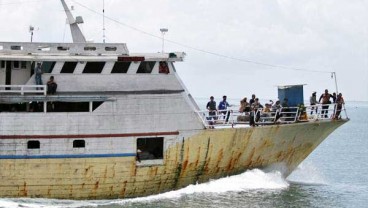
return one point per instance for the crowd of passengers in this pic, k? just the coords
(256, 111)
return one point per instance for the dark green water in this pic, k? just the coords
(334, 175)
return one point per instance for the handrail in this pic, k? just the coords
(283, 115)
(22, 89)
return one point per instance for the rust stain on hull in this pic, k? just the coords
(207, 154)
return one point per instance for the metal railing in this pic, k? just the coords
(283, 115)
(23, 89)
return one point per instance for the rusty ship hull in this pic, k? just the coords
(206, 154)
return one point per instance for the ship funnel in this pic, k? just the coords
(77, 34)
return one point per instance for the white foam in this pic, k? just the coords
(44, 203)
(248, 181)
(7, 204)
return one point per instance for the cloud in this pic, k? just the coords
(325, 35)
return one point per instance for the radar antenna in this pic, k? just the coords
(77, 34)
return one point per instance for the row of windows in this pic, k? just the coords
(61, 48)
(94, 67)
(35, 144)
(51, 107)
(147, 148)
(16, 64)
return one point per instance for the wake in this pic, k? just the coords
(248, 181)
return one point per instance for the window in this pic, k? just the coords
(163, 68)
(89, 48)
(23, 64)
(16, 48)
(95, 105)
(79, 144)
(48, 66)
(94, 67)
(22, 107)
(16, 64)
(33, 144)
(121, 67)
(110, 48)
(68, 107)
(150, 148)
(69, 67)
(62, 48)
(2, 64)
(146, 67)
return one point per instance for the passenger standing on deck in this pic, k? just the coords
(325, 97)
(254, 113)
(334, 97)
(313, 101)
(211, 107)
(276, 108)
(339, 102)
(251, 101)
(223, 108)
(38, 74)
(257, 107)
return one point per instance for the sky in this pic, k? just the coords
(235, 48)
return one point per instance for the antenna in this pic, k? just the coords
(31, 29)
(77, 34)
(163, 31)
(103, 21)
(333, 75)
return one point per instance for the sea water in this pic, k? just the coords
(334, 175)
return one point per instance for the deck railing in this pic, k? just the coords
(283, 115)
(23, 89)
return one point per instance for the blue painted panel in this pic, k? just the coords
(293, 93)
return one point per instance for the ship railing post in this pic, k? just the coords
(318, 111)
(22, 90)
(296, 115)
(45, 89)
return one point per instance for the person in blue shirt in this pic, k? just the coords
(38, 74)
(223, 107)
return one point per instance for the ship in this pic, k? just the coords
(123, 125)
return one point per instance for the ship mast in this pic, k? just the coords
(77, 34)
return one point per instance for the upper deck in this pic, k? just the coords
(81, 67)
(40, 51)
(39, 48)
